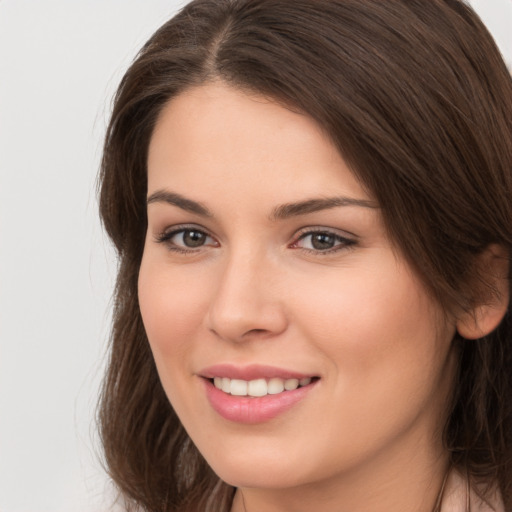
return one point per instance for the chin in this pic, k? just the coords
(253, 477)
(258, 472)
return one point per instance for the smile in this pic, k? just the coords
(258, 387)
(255, 394)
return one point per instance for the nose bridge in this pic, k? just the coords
(246, 300)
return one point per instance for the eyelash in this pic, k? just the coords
(166, 238)
(342, 242)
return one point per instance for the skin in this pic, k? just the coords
(367, 436)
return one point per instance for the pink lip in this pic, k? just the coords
(250, 410)
(250, 372)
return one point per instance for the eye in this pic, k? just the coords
(191, 238)
(322, 241)
(186, 239)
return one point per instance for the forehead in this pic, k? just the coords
(215, 134)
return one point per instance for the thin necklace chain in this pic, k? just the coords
(439, 501)
(243, 500)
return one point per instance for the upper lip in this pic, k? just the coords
(250, 372)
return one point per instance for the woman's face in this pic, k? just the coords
(267, 266)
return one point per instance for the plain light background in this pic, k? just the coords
(60, 61)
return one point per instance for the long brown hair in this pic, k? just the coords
(416, 96)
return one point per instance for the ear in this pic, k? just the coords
(492, 304)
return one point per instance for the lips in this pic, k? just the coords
(251, 372)
(254, 394)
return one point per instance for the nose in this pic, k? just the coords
(248, 300)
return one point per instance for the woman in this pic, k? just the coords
(311, 205)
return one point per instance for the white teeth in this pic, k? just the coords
(258, 387)
(238, 387)
(275, 386)
(291, 384)
(226, 385)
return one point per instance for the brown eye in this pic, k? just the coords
(191, 238)
(186, 239)
(322, 241)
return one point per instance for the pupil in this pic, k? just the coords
(193, 238)
(322, 241)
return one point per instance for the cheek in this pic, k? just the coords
(386, 347)
(378, 328)
(172, 307)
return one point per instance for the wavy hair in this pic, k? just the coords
(418, 100)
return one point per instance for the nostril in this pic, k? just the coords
(256, 331)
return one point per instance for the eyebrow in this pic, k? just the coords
(163, 196)
(314, 205)
(281, 212)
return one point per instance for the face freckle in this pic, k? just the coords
(251, 301)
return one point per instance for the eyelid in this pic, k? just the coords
(324, 229)
(344, 242)
(165, 236)
(346, 238)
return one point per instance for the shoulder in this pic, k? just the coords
(459, 497)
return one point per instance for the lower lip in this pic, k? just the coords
(249, 410)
